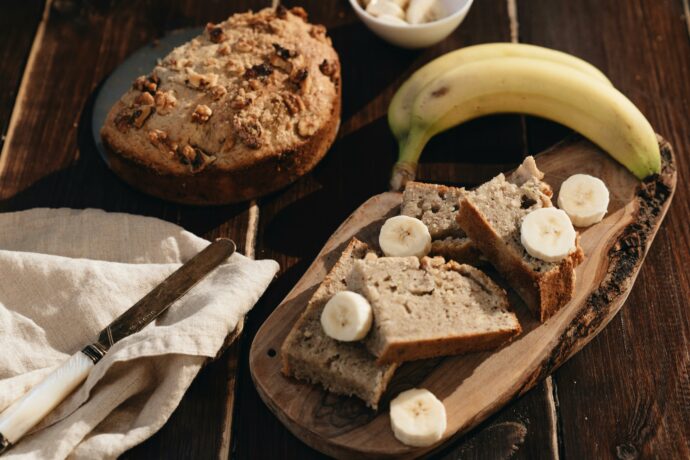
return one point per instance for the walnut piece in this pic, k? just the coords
(223, 50)
(215, 33)
(241, 100)
(196, 158)
(165, 101)
(280, 63)
(248, 130)
(299, 12)
(234, 66)
(217, 92)
(327, 68)
(318, 32)
(201, 114)
(139, 116)
(147, 83)
(306, 127)
(242, 45)
(144, 99)
(299, 80)
(161, 140)
(284, 52)
(258, 71)
(293, 103)
(200, 81)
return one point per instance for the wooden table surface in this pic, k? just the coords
(626, 395)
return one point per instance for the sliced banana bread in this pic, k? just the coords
(431, 308)
(346, 368)
(492, 214)
(437, 206)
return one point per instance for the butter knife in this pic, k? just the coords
(31, 408)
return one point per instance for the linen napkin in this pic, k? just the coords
(64, 275)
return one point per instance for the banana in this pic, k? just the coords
(418, 418)
(346, 317)
(584, 198)
(403, 236)
(392, 20)
(421, 11)
(541, 88)
(400, 109)
(548, 234)
(380, 7)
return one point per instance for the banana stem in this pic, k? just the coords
(410, 149)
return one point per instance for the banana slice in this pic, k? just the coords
(403, 236)
(347, 317)
(380, 7)
(584, 198)
(420, 11)
(418, 418)
(392, 20)
(548, 234)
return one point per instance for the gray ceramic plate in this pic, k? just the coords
(138, 63)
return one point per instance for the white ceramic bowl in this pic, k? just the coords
(418, 35)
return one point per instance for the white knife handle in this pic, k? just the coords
(31, 408)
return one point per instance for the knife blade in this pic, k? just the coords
(31, 408)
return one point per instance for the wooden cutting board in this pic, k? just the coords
(472, 386)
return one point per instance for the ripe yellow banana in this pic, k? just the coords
(545, 89)
(400, 108)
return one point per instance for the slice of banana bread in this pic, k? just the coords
(431, 308)
(492, 214)
(437, 206)
(341, 367)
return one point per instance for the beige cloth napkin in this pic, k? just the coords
(64, 275)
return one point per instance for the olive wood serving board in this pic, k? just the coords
(472, 386)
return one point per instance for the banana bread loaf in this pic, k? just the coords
(492, 214)
(244, 109)
(431, 308)
(346, 368)
(437, 206)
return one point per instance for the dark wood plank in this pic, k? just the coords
(18, 24)
(50, 160)
(295, 223)
(627, 394)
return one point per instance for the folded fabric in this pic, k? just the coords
(64, 275)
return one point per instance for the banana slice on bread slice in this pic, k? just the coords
(548, 234)
(347, 317)
(403, 236)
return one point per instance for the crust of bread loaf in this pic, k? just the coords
(444, 346)
(215, 185)
(544, 293)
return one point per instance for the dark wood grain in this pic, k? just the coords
(18, 24)
(627, 394)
